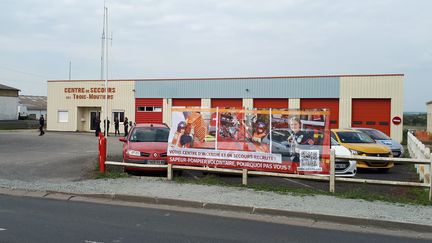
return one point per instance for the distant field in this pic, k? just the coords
(414, 127)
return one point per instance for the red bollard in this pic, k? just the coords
(102, 152)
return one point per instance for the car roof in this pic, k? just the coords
(342, 130)
(157, 125)
(361, 128)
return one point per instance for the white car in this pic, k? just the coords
(343, 167)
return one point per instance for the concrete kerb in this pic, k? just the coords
(57, 195)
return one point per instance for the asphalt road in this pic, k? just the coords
(45, 220)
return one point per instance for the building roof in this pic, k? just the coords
(234, 78)
(4, 87)
(428, 103)
(33, 102)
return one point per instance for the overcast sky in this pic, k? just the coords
(217, 38)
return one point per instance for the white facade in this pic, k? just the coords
(8, 108)
(429, 116)
(71, 104)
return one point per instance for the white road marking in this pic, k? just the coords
(90, 241)
(1, 229)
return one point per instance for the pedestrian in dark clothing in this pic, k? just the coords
(41, 125)
(126, 126)
(116, 126)
(106, 127)
(97, 122)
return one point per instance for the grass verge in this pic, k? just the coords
(415, 196)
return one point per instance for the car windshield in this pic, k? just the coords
(149, 134)
(375, 134)
(354, 137)
(334, 142)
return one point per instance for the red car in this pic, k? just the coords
(146, 144)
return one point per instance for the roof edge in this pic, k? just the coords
(226, 78)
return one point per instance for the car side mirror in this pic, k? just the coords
(123, 140)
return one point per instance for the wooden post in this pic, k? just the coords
(332, 170)
(244, 177)
(430, 178)
(170, 172)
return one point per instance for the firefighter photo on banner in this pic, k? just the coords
(290, 141)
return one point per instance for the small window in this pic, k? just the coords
(370, 123)
(63, 116)
(384, 123)
(357, 122)
(157, 109)
(149, 108)
(333, 122)
(119, 115)
(141, 108)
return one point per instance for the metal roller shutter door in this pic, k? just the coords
(186, 102)
(332, 104)
(271, 103)
(224, 103)
(371, 113)
(148, 116)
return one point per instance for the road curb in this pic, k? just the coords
(58, 195)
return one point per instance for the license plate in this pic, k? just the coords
(340, 166)
(156, 162)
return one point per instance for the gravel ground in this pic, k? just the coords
(161, 188)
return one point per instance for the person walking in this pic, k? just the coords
(116, 126)
(126, 126)
(97, 124)
(41, 125)
(106, 127)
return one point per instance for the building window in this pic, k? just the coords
(63, 116)
(119, 115)
(149, 109)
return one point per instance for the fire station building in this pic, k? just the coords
(374, 101)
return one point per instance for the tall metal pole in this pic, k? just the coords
(106, 76)
(70, 69)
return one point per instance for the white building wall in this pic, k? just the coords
(8, 108)
(370, 87)
(429, 117)
(78, 99)
(294, 103)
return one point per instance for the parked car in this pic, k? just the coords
(146, 144)
(343, 167)
(280, 145)
(360, 143)
(380, 137)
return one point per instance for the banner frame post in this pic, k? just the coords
(270, 130)
(244, 177)
(332, 170)
(170, 172)
(217, 128)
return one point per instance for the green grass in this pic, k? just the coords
(416, 196)
(111, 172)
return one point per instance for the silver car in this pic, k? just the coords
(381, 138)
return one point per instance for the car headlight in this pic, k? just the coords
(133, 152)
(356, 152)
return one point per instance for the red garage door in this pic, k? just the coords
(186, 102)
(372, 113)
(227, 103)
(148, 110)
(271, 103)
(332, 104)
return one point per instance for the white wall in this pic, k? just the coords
(8, 108)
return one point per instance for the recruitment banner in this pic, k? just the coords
(289, 141)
